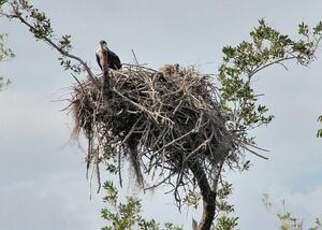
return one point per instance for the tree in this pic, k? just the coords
(237, 101)
(127, 215)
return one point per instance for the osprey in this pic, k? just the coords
(113, 60)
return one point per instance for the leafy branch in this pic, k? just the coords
(40, 26)
(241, 63)
(127, 215)
(287, 219)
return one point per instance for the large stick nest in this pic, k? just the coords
(161, 121)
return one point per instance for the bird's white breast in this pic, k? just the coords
(100, 54)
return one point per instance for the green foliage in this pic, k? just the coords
(287, 221)
(225, 219)
(240, 63)
(2, 2)
(237, 97)
(226, 223)
(318, 28)
(128, 216)
(65, 45)
(222, 195)
(4, 83)
(319, 132)
(40, 26)
(110, 160)
(192, 199)
(5, 53)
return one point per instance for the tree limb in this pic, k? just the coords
(208, 195)
(17, 15)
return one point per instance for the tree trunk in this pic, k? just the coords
(208, 196)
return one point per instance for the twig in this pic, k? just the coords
(135, 59)
(255, 153)
(119, 170)
(19, 16)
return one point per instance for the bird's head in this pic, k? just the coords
(103, 45)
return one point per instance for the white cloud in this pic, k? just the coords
(54, 202)
(42, 182)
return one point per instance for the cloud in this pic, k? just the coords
(303, 205)
(54, 202)
(42, 182)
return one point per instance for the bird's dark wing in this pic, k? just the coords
(114, 61)
(98, 61)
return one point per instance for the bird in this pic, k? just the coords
(113, 60)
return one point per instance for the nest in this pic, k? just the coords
(163, 121)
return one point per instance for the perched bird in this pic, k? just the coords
(113, 60)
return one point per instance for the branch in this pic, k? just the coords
(18, 15)
(208, 195)
(135, 59)
(278, 61)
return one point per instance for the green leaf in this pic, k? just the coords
(319, 133)
(229, 51)
(318, 28)
(2, 2)
(303, 29)
(320, 118)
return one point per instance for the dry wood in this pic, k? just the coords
(167, 123)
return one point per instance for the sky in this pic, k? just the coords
(42, 173)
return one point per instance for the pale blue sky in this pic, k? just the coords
(42, 175)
